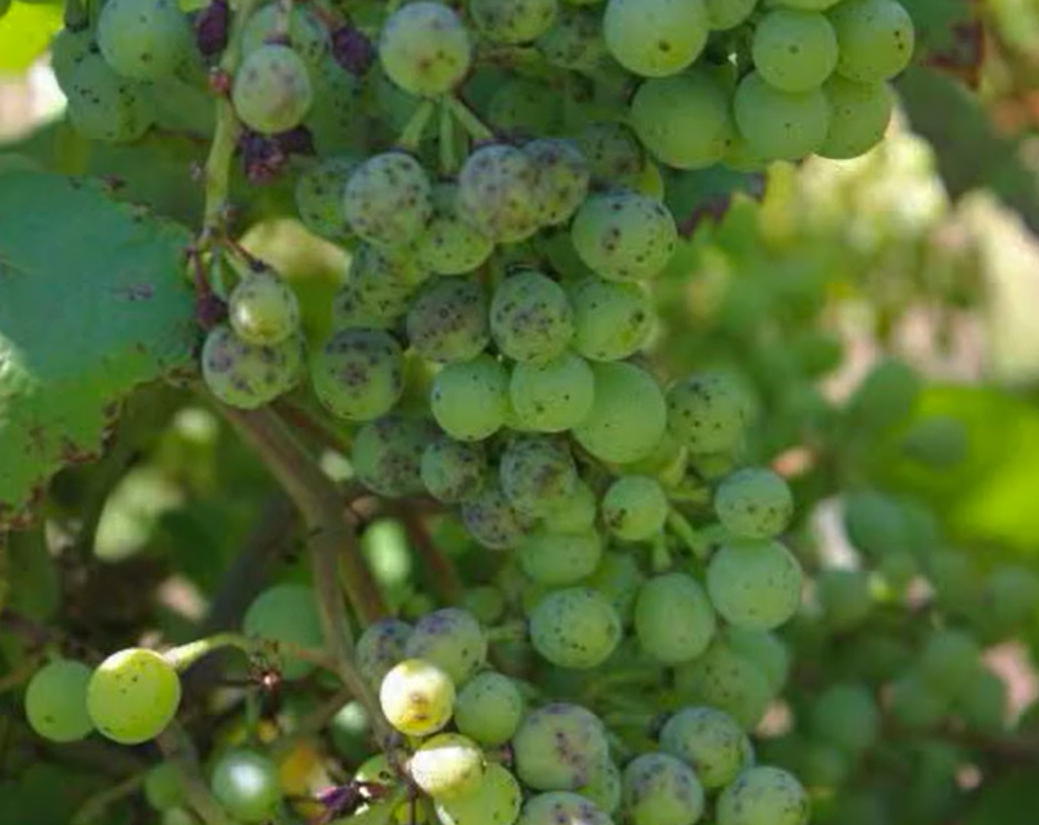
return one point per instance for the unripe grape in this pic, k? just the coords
(351, 731)
(272, 91)
(949, 659)
(263, 309)
(537, 472)
(767, 651)
(763, 795)
(144, 39)
(794, 51)
(575, 628)
(846, 716)
(470, 399)
(709, 741)
(674, 620)
(661, 790)
(613, 150)
(756, 585)
(453, 470)
(876, 39)
(245, 375)
(915, 703)
(319, 197)
(496, 800)
(451, 639)
(655, 38)
(628, 416)
(486, 602)
(754, 503)
(489, 709)
(875, 523)
(388, 199)
(531, 319)
(574, 42)
(425, 49)
(778, 125)
(708, 412)
(624, 236)
(448, 766)
(246, 783)
(560, 558)
(575, 514)
(133, 695)
(448, 321)
(611, 320)
(552, 396)
(619, 579)
(727, 681)
(513, 21)
(103, 106)
(497, 193)
(845, 598)
(56, 701)
(859, 117)
(559, 747)
(380, 283)
(286, 613)
(417, 697)
(604, 790)
(886, 395)
(358, 374)
(380, 647)
(491, 519)
(163, 787)
(562, 175)
(450, 245)
(635, 507)
(307, 34)
(728, 14)
(562, 806)
(387, 454)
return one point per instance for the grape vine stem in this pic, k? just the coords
(177, 747)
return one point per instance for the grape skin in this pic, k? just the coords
(56, 701)
(763, 794)
(780, 125)
(574, 42)
(767, 651)
(635, 507)
(496, 801)
(754, 503)
(319, 197)
(163, 787)
(728, 14)
(795, 51)
(448, 766)
(451, 639)
(613, 150)
(552, 396)
(380, 647)
(358, 374)
(263, 309)
(387, 454)
(247, 376)
(307, 35)
(876, 39)
(611, 320)
(448, 321)
(452, 470)
(756, 585)
(491, 519)
(659, 789)
(559, 747)
(560, 558)
(489, 709)
(286, 613)
(860, 114)
(417, 697)
(272, 91)
(846, 717)
(619, 579)
(246, 783)
(624, 236)
(449, 245)
(144, 39)
(845, 598)
(513, 21)
(628, 416)
(562, 806)
(575, 628)
(133, 695)
(497, 193)
(707, 412)
(604, 790)
(709, 741)
(103, 106)
(655, 38)
(562, 175)
(425, 49)
(727, 681)
(470, 399)
(537, 472)
(388, 199)
(574, 515)
(531, 318)
(673, 618)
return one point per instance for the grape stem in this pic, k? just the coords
(178, 749)
(441, 569)
(95, 806)
(476, 128)
(446, 140)
(410, 138)
(688, 535)
(511, 632)
(188, 654)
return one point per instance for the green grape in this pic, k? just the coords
(655, 38)
(604, 790)
(611, 320)
(451, 639)
(876, 39)
(708, 412)
(307, 35)
(661, 790)
(380, 284)
(448, 321)
(710, 742)
(145, 39)
(846, 716)
(1011, 595)
(915, 703)
(69, 48)
(133, 695)
(575, 628)
(938, 441)
(674, 621)
(574, 514)
(845, 598)
(286, 613)
(684, 121)
(619, 579)
(559, 747)
(179, 106)
(954, 577)
(807, 5)
(537, 473)
(823, 766)
(497, 193)
(982, 702)
(624, 236)
(522, 106)
(723, 15)
(765, 650)
(272, 90)
(388, 199)
(513, 21)
(897, 570)
(552, 396)
(754, 503)
(470, 399)
(556, 807)
(425, 49)
(486, 602)
(726, 681)
(380, 647)
(163, 787)
(628, 416)
(319, 197)
(635, 507)
(886, 395)
(496, 800)
(574, 42)
(448, 766)
(613, 150)
(755, 584)
(56, 701)
(531, 319)
(489, 709)
(491, 519)
(351, 731)
(417, 697)
(449, 245)
(778, 125)
(453, 470)
(763, 795)
(560, 558)
(245, 375)
(246, 784)
(949, 659)
(794, 51)
(562, 175)
(103, 106)
(874, 523)
(263, 309)
(335, 118)
(358, 374)
(387, 454)
(859, 117)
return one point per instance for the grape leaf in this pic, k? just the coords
(93, 302)
(25, 32)
(949, 36)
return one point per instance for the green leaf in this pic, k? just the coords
(93, 302)
(25, 33)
